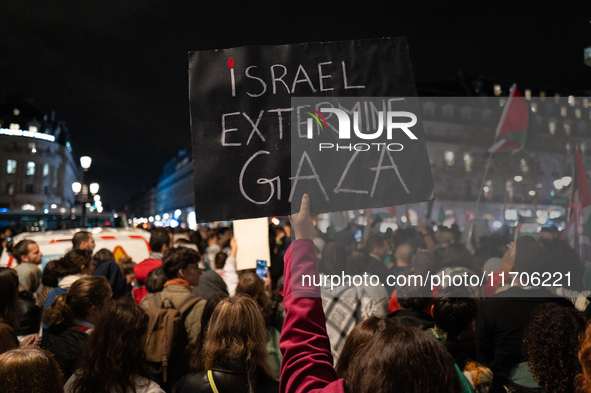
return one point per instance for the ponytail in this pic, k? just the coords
(84, 293)
(59, 314)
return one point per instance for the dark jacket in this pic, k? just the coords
(66, 345)
(226, 382)
(29, 314)
(501, 322)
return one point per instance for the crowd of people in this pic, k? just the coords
(186, 320)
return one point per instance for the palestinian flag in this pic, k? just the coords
(512, 128)
(578, 227)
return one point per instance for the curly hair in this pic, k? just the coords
(115, 353)
(551, 343)
(583, 379)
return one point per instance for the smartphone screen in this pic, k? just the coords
(262, 269)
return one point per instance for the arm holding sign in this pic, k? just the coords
(307, 360)
(230, 273)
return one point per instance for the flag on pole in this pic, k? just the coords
(578, 227)
(512, 127)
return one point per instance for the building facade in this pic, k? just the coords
(37, 164)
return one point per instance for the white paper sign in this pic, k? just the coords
(252, 236)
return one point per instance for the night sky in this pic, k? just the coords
(116, 70)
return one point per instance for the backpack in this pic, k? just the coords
(167, 336)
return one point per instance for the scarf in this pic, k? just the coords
(178, 281)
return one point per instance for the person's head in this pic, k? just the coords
(545, 235)
(126, 267)
(9, 296)
(50, 278)
(74, 262)
(83, 241)
(86, 299)
(402, 359)
(531, 258)
(411, 295)
(5, 233)
(334, 258)
(236, 338)
(453, 310)
(103, 255)
(27, 251)
(404, 254)
(377, 244)
(212, 237)
(551, 343)
(444, 235)
(113, 274)
(423, 262)
(251, 285)
(31, 370)
(220, 260)
(160, 240)
(115, 349)
(182, 262)
(210, 305)
(457, 255)
(156, 280)
(359, 336)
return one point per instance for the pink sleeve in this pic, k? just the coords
(307, 362)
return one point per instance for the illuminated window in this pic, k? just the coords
(16, 112)
(578, 113)
(14, 127)
(33, 128)
(568, 147)
(497, 90)
(567, 129)
(11, 166)
(534, 107)
(528, 94)
(10, 188)
(556, 98)
(32, 148)
(585, 102)
(523, 165)
(552, 127)
(502, 102)
(45, 170)
(30, 168)
(571, 100)
(543, 96)
(468, 160)
(563, 111)
(449, 158)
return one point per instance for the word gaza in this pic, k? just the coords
(305, 165)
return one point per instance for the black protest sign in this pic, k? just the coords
(245, 103)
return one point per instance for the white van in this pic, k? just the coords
(123, 242)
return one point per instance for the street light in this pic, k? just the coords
(85, 162)
(566, 180)
(94, 187)
(77, 187)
